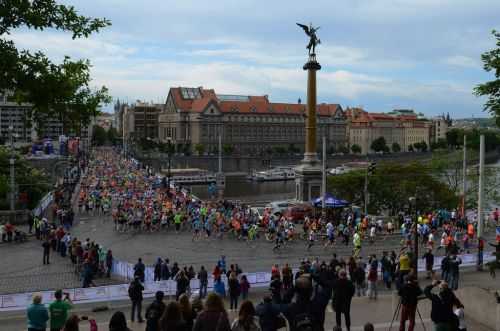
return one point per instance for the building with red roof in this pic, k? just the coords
(193, 118)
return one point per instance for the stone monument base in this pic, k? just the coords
(308, 179)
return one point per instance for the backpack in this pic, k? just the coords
(302, 322)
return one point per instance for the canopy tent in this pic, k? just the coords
(330, 202)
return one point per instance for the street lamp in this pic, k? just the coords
(413, 201)
(12, 171)
(169, 153)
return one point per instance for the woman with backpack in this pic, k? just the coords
(234, 290)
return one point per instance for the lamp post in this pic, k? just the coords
(413, 200)
(169, 151)
(12, 171)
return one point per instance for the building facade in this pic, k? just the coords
(401, 128)
(247, 124)
(140, 120)
(15, 119)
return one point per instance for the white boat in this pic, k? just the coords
(190, 176)
(339, 170)
(274, 174)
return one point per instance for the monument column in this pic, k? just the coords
(311, 66)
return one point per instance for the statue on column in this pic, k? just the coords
(313, 39)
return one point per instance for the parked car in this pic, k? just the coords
(278, 206)
(298, 212)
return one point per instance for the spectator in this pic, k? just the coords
(59, 310)
(172, 318)
(187, 311)
(109, 263)
(244, 287)
(213, 317)
(118, 322)
(409, 293)
(343, 291)
(219, 287)
(270, 318)
(442, 314)
(135, 293)
(234, 291)
(246, 320)
(38, 315)
(306, 311)
(154, 312)
(139, 270)
(203, 277)
(46, 252)
(182, 284)
(368, 327)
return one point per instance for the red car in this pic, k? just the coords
(298, 212)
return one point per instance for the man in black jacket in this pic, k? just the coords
(409, 293)
(154, 312)
(306, 312)
(442, 306)
(343, 291)
(269, 314)
(135, 293)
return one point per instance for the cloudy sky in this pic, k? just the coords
(379, 54)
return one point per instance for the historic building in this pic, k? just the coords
(402, 127)
(139, 120)
(246, 124)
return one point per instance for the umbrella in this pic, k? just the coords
(330, 202)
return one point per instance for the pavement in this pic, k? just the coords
(378, 312)
(29, 274)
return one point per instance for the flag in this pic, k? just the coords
(498, 234)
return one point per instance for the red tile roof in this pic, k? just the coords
(256, 104)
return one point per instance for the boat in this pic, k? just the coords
(274, 174)
(191, 176)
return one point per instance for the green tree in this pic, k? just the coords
(199, 148)
(112, 136)
(410, 148)
(99, 136)
(59, 91)
(379, 145)
(356, 149)
(439, 144)
(227, 149)
(392, 186)
(344, 149)
(491, 89)
(30, 181)
(454, 137)
(396, 148)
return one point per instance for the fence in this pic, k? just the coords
(20, 301)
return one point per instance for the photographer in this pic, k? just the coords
(409, 293)
(442, 306)
(58, 310)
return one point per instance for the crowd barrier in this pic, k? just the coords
(19, 301)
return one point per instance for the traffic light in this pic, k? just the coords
(371, 168)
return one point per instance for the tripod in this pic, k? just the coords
(396, 314)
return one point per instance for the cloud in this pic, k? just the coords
(462, 61)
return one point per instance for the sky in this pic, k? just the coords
(379, 54)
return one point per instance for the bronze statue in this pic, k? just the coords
(313, 39)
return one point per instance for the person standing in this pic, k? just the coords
(234, 290)
(247, 319)
(442, 314)
(244, 287)
(109, 263)
(59, 310)
(409, 293)
(154, 312)
(139, 270)
(46, 252)
(343, 292)
(135, 293)
(203, 278)
(37, 315)
(182, 284)
(213, 317)
(429, 263)
(454, 264)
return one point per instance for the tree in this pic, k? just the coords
(395, 147)
(59, 91)
(199, 148)
(441, 143)
(356, 149)
(491, 62)
(344, 149)
(379, 145)
(99, 136)
(410, 148)
(421, 146)
(30, 181)
(112, 136)
(227, 149)
(392, 186)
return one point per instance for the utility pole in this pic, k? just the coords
(366, 192)
(12, 173)
(323, 184)
(480, 199)
(464, 179)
